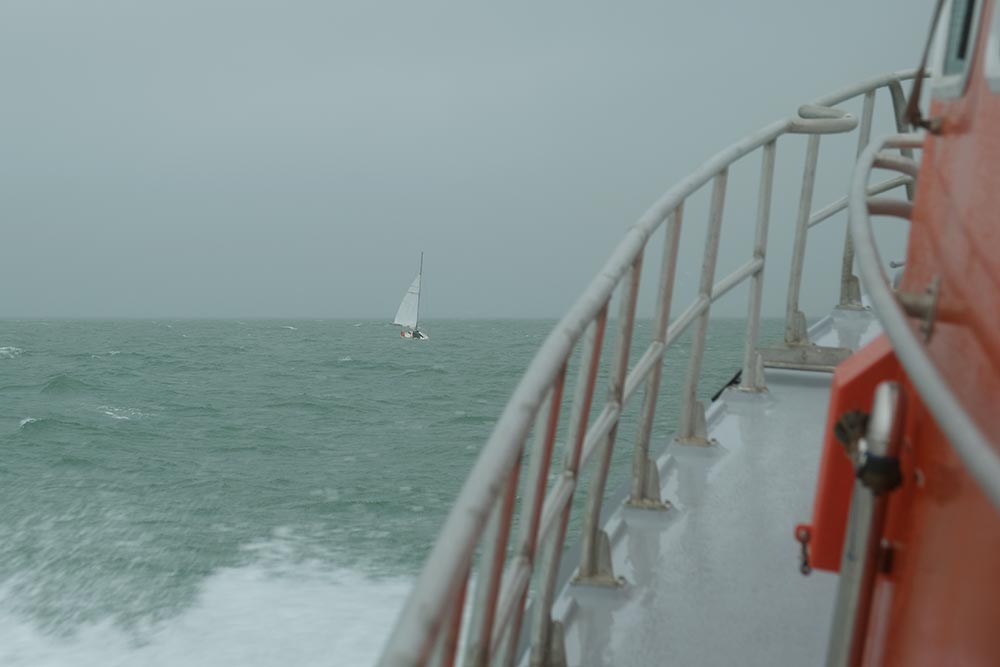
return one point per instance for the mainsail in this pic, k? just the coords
(406, 316)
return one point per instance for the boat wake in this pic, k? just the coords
(296, 614)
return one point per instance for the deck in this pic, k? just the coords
(715, 580)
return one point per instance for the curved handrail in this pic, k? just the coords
(970, 442)
(440, 583)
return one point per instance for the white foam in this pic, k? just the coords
(26, 421)
(347, 358)
(10, 352)
(120, 413)
(303, 614)
(290, 328)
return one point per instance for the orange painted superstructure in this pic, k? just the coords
(938, 602)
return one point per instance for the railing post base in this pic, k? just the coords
(797, 332)
(604, 574)
(554, 654)
(699, 431)
(755, 383)
(651, 499)
(850, 297)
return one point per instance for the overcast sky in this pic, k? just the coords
(292, 158)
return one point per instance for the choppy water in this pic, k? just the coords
(242, 493)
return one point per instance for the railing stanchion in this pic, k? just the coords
(541, 630)
(447, 651)
(902, 126)
(751, 379)
(692, 427)
(850, 288)
(795, 321)
(645, 482)
(491, 570)
(595, 565)
(534, 499)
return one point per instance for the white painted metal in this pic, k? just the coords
(590, 560)
(691, 405)
(795, 321)
(640, 458)
(850, 288)
(750, 381)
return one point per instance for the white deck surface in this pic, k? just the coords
(715, 580)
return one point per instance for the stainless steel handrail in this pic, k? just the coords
(974, 448)
(429, 624)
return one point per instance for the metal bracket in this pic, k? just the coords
(555, 655)
(651, 499)
(850, 298)
(699, 435)
(922, 305)
(605, 574)
(797, 332)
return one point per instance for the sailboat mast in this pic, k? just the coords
(420, 275)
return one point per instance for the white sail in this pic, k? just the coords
(406, 316)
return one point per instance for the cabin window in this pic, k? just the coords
(958, 33)
(993, 52)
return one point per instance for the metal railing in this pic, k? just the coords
(974, 448)
(434, 617)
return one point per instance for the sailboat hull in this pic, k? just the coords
(416, 335)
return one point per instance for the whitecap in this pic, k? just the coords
(358, 324)
(26, 421)
(290, 328)
(347, 358)
(10, 352)
(120, 413)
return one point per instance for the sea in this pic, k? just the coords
(259, 492)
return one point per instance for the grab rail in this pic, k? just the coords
(972, 445)
(432, 619)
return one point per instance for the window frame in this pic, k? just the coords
(951, 86)
(991, 58)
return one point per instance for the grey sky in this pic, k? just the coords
(292, 158)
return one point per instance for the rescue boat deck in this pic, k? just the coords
(715, 580)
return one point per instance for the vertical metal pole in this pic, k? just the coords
(795, 321)
(899, 110)
(640, 460)
(691, 422)
(491, 570)
(448, 648)
(850, 287)
(538, 472)
(589, 545)
(862, 541)
(750, 380)
(541, 630)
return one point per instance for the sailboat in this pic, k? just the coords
(408, 314)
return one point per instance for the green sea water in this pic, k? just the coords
(248, 492)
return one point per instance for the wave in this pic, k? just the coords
(64, 384)
(10, 352)
(27, 422)
(290, 328)
(259, 614)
